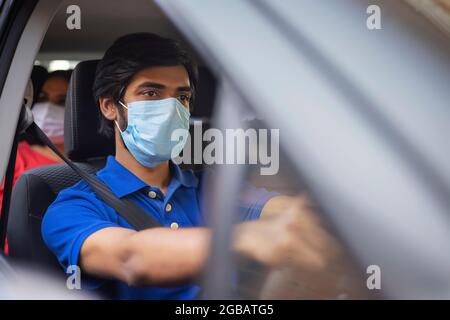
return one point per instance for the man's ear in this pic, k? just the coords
(108, 108)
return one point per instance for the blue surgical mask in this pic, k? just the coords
(151, 126)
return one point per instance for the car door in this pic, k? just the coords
(13, 17)
(22, 27)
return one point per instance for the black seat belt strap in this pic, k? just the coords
(133, 214)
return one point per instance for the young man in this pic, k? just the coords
(145, 85)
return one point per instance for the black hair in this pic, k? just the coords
(130, 54)
(65, 74)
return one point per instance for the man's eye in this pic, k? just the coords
(150, 93)
(184, 98)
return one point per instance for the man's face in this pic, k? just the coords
(153, 83)
(158, 83)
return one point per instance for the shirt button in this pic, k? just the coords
(152, 194)
(174, 226)
(168, 207)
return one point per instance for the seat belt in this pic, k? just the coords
(133, 214)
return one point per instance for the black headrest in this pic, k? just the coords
(205, 95)
(38, 76)
(82, 117)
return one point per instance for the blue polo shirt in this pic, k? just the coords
(77, 213)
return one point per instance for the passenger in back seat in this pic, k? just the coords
(49, 115)
(145, 86)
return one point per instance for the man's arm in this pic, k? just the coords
(158, 256)
(164, 257)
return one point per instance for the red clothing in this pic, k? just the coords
(26, 159)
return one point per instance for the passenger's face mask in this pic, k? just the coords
(151, 124)
(50, 118)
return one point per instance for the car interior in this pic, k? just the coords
(38, 188)
(102, 22)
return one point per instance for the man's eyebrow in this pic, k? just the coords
(151, 85)
(184, 89)
(156, 85)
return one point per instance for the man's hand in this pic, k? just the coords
(305, 260)
(292, 237)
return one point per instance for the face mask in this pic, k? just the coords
(151, 124)
(50, 118)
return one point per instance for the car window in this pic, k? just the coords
(317, 264)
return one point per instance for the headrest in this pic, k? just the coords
(205, 95)
(82, 117)
(38, 76)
